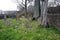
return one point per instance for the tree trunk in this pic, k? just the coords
(43, 18)
(36, 9)
(25, 8)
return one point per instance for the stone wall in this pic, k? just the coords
(54, 18)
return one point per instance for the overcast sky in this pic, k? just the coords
(7, 5)
(10, 5)
(51, 0)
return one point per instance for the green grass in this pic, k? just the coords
(17, 31)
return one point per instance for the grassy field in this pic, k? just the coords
(17, 31)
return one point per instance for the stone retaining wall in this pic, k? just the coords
(54, 19)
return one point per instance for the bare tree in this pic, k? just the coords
(43, 18)
(20, 7)
(36, 9)
(26, 8)
(44, 22)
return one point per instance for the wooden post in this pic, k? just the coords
(17, 17)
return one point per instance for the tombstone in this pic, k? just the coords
(5, 18)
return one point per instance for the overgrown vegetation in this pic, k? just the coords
(17, 31)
